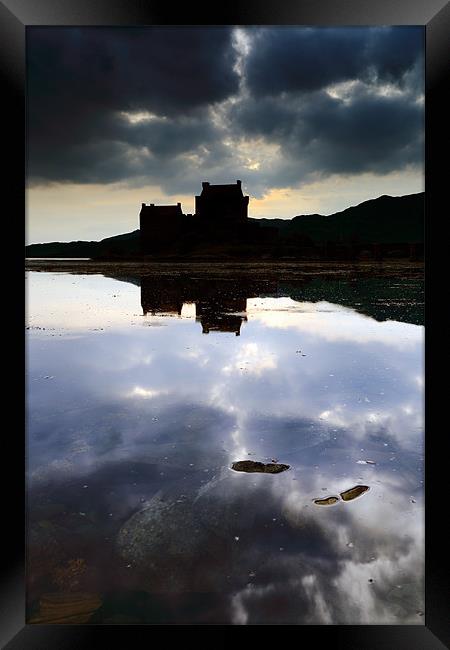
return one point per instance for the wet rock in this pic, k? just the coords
(68, 576)
(155, 531)
(189, 546)
(179, 547)
(45, 549)
(327, 501)
(74, 608)
(354, 492)
(255, 466)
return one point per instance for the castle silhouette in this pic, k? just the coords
(220, 228)
(221, 214)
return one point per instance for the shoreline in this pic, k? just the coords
(222, 268)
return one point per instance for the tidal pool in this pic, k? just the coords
(143, 390)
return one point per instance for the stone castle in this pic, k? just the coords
(221, 213)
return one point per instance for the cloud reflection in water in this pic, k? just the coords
(315, 385)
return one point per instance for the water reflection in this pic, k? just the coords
(134, 422)
(221, 304)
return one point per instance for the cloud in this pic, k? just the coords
(318, 135)
(303, 59)
(168, 70)
(169, 107)
(81, 79)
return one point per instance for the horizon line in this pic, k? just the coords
(311, 214)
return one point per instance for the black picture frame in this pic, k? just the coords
(15, 16)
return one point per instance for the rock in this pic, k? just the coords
(155, 532)
(67, 577)
(173, 547)
(354, 492)
(75, 608)
(327, 501)
(255, 466)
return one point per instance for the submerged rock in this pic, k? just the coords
(327, 501)
(68, 576)
(155, 531)
(255, 466)
(354, 492)
(183, 547)
(69, 608)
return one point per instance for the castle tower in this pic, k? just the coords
(222, 202)
(159, 225)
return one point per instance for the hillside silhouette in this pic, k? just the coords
(383, 227)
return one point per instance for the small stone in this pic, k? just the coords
(254, 466)
(354, 492)
(327, 501)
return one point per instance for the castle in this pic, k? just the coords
(222, 202)
(221, 213)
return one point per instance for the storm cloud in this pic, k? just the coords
(81, 81)
(325, 135)
(305, 59)
(171, 106)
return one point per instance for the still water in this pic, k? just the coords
(141, 394)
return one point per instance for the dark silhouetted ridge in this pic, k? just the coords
(382, 227)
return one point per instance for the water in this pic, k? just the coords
(142, 391)
(57, 259)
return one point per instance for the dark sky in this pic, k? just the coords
(282, 108)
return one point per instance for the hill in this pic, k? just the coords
(385, 220)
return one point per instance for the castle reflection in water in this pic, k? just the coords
(220, 305)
